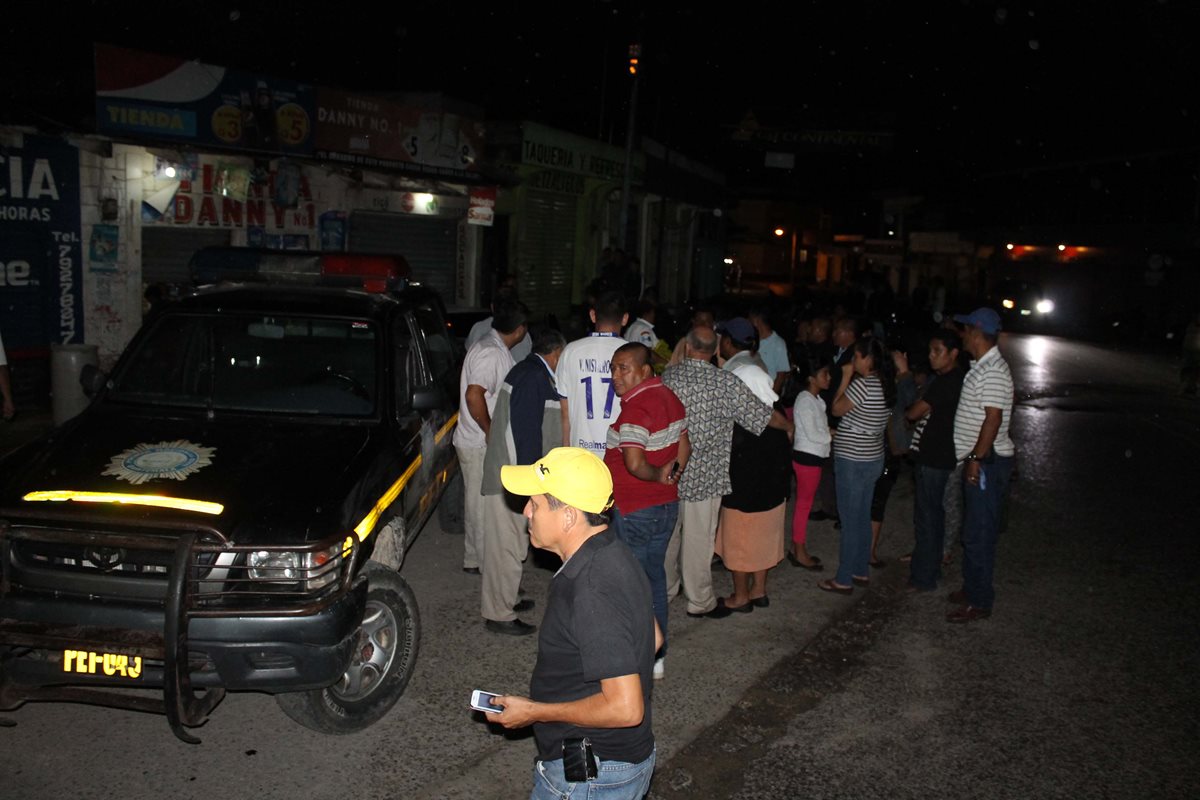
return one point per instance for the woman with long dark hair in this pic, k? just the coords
(863, 402)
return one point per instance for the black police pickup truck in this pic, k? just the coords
(232, 509)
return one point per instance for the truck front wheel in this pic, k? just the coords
(384, 656)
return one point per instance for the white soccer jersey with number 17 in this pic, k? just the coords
(584, 378)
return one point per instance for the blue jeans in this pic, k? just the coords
(855, 488)
(982, 503)
(617, 780)
(929, 524)
(647, 533)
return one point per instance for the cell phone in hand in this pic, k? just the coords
(482, 701)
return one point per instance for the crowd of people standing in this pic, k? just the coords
(695, 452)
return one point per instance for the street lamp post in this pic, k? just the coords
(635, 55)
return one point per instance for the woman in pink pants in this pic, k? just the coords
(810, 449)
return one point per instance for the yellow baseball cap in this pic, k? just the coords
(572, 474)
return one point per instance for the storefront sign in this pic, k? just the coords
(210, 201)
(164, 97)
(41, 260)
(374, 132)
(482, 210)
(565, 153)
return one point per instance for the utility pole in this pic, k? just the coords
(635, 57)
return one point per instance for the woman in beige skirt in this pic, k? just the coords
(750, 535)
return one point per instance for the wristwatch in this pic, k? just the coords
(971, 457)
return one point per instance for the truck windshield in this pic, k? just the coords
(273, 364)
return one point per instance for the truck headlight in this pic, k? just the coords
(281, 567)
(1045, 306)
(274, 565)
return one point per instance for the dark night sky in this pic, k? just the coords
(969, 86)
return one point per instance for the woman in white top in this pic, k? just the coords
(810, 448)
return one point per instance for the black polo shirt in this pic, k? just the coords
(599, 623)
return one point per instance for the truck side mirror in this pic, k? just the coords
(92, 380)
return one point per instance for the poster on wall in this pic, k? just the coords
(102, 250)
(41, 259)
(157, 96)
(482, 210)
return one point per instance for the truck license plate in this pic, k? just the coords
(88, 662)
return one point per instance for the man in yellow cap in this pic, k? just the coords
(590, 691)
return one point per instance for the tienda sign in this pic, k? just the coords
(482, 210)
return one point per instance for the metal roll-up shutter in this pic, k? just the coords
(429, 244)
(166, 251)
(547, 252)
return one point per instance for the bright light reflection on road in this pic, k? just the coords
(1036, 350)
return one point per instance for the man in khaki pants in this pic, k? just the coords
(715, 400)
(487, 363)
(526, 423)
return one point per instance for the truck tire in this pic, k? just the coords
(452, 509)
(383, 662)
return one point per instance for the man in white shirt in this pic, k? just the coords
(506, 291)
(772, 349)
(642, 328)
(10, 408)
(982, 443)
(589, 404)
(484, 369)
(738, 338)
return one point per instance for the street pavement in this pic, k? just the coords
(1083, 682)
(1080, 685)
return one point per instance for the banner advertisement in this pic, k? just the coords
(41, 254)
(165, 97)
(373, 132)
(224, 194)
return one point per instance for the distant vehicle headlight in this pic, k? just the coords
(1045, 306)
(1008, 303)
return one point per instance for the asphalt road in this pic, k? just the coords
(1081, 684)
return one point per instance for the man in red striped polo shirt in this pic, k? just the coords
(647, 451)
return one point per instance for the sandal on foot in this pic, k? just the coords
(815, 566)
(860, 581)
(828, 585)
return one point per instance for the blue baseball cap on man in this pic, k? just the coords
(739, 329)
(986, 319)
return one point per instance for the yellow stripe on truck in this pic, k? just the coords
(159, 501)
(364, 528)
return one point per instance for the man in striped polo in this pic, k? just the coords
(982, 443)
